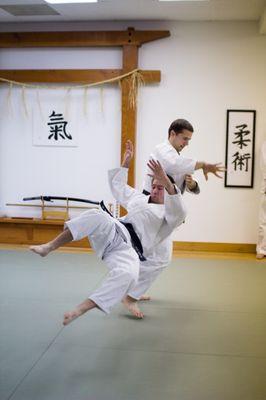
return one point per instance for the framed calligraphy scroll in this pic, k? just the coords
(239, 155)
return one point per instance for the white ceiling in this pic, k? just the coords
(115, 10)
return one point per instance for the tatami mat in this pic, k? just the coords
(203, 336)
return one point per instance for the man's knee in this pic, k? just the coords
(96, 213)
(92, 223)
(129, 275)
(100, 220)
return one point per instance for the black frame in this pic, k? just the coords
(253, 148)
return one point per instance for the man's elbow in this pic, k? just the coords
(178, 220)
(182, 215)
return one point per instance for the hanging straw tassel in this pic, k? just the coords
(102, 100)
(23, 93)
(39, 102)
(8, 100)
(67, 101)
(136, 80)
(85, 101)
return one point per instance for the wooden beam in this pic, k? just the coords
(128, 118)
(79, 39)
(78, 76)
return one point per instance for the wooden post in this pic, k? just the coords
(128, 118)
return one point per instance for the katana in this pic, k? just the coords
(51, 198)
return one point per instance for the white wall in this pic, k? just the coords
(27, 170)
(207, 68)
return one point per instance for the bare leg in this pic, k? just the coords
(132, 306)
(144, 298)
(85, 306)
(44, 249)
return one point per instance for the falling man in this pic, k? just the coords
(126, 245)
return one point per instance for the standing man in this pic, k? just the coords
(261, 245)
(178, 167)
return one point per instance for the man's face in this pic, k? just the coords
(180, 140)
(157, 193)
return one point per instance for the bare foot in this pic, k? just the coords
(144, 298)
(71, 316)
(81, 309)
(42, 249)
(132, 306)
(259, 256)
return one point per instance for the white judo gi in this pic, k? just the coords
(261, 245)
(153, 223)
(173, 164)
(176, 166)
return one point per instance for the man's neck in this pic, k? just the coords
(173, 147)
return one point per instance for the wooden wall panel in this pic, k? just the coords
(26, 231)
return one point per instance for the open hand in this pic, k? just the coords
(158, 172)
(128, 154)
(213, 169)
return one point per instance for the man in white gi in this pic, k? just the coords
(178, 167)
(179, 170)
(261, 245)
(152, 218)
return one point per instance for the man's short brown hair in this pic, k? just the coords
(178, 125)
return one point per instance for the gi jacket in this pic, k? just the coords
(173, 163)
(153, 223)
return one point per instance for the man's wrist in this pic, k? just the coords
(192, 186)
(200, 165)
(171, 189)
(195, 187)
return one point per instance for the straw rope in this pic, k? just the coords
(134, 77)
(86, 85)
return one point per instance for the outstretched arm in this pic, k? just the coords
(121, 191)
(210, 168)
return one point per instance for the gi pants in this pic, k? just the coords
(147, 275)
(111, 242)
(157, 260)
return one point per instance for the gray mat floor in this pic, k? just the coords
(203, 336)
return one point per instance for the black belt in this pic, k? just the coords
(135, 241)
